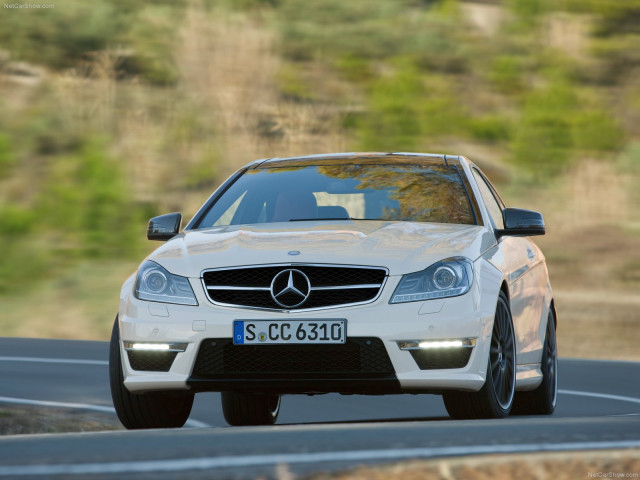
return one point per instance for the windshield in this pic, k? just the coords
(413, 193)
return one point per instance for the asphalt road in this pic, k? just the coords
(598, 407)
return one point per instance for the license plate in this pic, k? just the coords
(265, 332)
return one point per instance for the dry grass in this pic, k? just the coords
(229, 64)
(79, 304)
(28, 420)
(593, 259)
(557, 466)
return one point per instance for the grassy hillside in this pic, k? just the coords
(119, 110)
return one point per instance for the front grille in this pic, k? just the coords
(329, 286)
(436, 359)
(359, 357)
(151, 361)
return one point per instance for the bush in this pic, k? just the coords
(393, 119)
(60, 37)
(543, 136)
(87, 200)
(506, 73)
(406, 109)
(152, 36)
(67, 36)
(490, 128)
(373, 29)
(597, 131)
(7, 159)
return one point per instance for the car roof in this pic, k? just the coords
(361, 158)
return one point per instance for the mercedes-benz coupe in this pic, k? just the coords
(355, 273)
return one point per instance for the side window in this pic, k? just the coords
(493, 206)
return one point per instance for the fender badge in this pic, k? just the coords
(294, 252)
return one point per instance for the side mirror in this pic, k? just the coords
(521, 223)
(164, 227)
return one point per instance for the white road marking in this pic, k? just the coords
(205, 463)
(82, 406)
(605, 396)
(196, 423)
(53, 360)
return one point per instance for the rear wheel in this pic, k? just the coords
(144, 410)
(542, 400)
(242, 408)
(495, 398)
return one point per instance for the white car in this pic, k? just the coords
(374, 273)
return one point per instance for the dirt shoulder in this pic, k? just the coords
(615, 464)
(16, 420)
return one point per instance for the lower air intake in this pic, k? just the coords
(359, 357)
(441, 359)
(151, 361)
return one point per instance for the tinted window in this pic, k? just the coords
(417, 193)
(495, 211)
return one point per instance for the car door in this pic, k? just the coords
(521, 260)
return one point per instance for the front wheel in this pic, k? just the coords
(144, 410)
(243, 408)
(495, 398)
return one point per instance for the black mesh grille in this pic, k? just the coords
(434, 359)
(151, 361)
(319, 276)
(358, 357)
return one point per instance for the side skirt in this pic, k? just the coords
(528, 377)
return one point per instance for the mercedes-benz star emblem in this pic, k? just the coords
(290, 288)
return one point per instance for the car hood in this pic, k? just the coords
(402, 247)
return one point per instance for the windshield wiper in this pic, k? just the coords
(312, 219)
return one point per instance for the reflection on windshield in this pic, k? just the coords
(415, 193)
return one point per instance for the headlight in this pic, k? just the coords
(156, 284)
(447, 278)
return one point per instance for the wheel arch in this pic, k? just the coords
(505, 289)
(552, 307)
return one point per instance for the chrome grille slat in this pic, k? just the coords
(330, 285)
(348, 287)
(229, 287)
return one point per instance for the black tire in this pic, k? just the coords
(495, 398)
(542, 400)
(241, 408)
(144, 410)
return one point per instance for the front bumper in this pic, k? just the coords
(457, 317)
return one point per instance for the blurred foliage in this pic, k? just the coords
(613, 17)
(491, 128)
(60, 37)
(67, 36)
(542, 140)
(528, 13)
(87, 201)
(293, 85)
(6, 156)
(83, 210)
(151, 36)
(120, 120)
(375, 29)
(506, 74)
